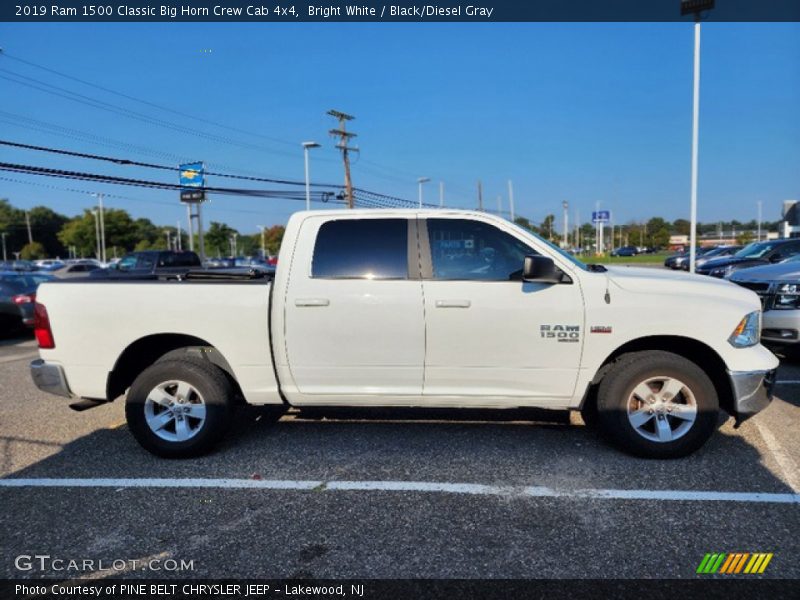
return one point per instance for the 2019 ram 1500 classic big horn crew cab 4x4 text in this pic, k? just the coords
(411, 308)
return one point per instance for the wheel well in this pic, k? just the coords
(699, 353)
(154, 348)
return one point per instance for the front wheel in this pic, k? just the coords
(658, 405)
(179, 408)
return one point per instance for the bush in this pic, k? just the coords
(32, 251)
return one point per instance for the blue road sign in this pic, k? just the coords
(192, 175)
(601, 216)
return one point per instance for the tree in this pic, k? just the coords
(12, 223)
(218, 239)
(33, 251)
(547, 227)
(79, 232)
(274, 237)
(744, 238)
(45, 225)
(681, 226)
(525, 223)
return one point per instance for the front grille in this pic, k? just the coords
(757, 287)
(762, 289)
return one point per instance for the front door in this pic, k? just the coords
(488, 333)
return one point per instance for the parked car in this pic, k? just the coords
(410, 308)
(49, 264)
(625, 251)
(778, 286)
(149, 264)
(676, 261)
(718, 252)
(75, 269)
(17, 265)
(17, 297)
(753, 255)
(220, 263)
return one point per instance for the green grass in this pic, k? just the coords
(641, 259)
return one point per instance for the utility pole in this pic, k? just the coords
(565, 205)
(480, 196)
(178, 238)
(169, 239)
(235, 244)
(28, 221)
(441, 194)
(344, 137)
(4, 234)
(499, 205)
(511, 199)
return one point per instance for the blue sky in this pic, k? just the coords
(580, 112)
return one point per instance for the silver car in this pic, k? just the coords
(778, 286)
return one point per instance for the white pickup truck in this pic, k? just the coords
(422, 308)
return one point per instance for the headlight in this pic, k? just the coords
(747, 332)
(787, 297)
(721, 271)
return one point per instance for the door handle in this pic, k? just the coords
(453, 304)
(312, 302)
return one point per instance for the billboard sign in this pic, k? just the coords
(192, 180)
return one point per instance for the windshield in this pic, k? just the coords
(560, 251)
(754, 250)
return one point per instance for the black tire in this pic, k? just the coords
(208, 381)
(616, 390)
(589, 412)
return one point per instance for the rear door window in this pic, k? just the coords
(361, 249)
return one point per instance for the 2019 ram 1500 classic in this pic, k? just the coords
(411, 308)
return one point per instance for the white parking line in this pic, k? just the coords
(409, 486)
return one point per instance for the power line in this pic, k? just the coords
(128, 113)
(141, 101)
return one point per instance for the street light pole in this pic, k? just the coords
(695, 7)
(4, 234)
(306, 147)
(759, 220)
(97, 232)
(511, 199)
(420, 181)
(102, 220)
(441, 194)
(565, 205)
(263, 242)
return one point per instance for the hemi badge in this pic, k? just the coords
(600, 329)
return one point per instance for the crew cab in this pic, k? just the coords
(422, 308)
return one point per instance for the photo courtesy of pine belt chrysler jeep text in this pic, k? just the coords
(422, 308)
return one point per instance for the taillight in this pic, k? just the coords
(24, 298)
(41, 327)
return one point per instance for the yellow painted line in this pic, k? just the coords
(751, 563)
(765, 563)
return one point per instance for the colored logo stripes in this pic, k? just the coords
(735, 563)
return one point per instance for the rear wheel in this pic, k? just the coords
(657, 405)
(179, 408)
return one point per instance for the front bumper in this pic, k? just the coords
(49, 378)
(752, 392)
(780, 327)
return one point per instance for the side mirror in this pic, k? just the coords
(540, 269)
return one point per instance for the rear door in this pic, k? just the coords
(354, 315)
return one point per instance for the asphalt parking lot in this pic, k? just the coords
(539, 499)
